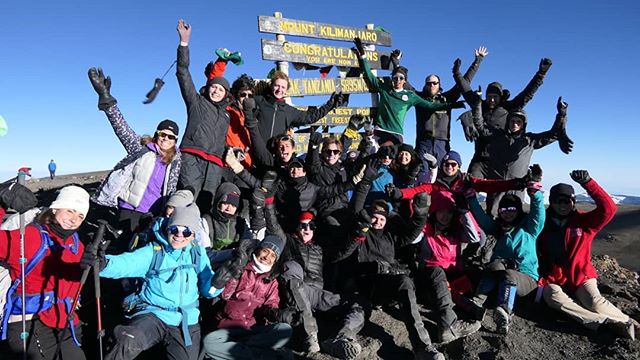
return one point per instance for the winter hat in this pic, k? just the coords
(74, 198)
(408, 148)
(188, 216)
(220, 81)
(180, 198)
(306, 215)
(561, 189)
(296, 160)
(274, 243)
(232, 198)
(401, 70)
(494, 88)
(441, 200)
(454, 156)
(379, 207)
(519, 113)
(168, 125)
(511, 200)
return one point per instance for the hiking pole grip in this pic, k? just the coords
(99, 242)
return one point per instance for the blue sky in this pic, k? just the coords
(50, 107)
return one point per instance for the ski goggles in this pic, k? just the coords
(507, 209)
(183, 230)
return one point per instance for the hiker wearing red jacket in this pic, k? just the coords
(564, 253)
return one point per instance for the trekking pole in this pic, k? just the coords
(23, 261)
(96, 278)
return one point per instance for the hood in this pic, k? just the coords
(521, 114)
(441, 200)
(224, 189)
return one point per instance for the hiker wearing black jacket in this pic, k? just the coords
(495, 109)
(275, 116)
(203, 142)
(376, 277)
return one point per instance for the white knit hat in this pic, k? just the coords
(180, 198)
(72, 197)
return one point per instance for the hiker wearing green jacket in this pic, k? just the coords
(395, 101)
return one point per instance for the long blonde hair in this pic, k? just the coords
(166, 157)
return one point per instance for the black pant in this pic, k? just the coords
(204, 176)
(43, 342)
(147, 330)
(432, 281)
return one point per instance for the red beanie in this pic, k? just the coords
(306, 215)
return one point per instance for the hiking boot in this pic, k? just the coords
(428, 353)
(459, 329)
(502, 320)
(341, 348)
(622, 329)
(311, 344)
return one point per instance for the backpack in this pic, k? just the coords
(34, 303)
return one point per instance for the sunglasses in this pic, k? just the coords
(245, 94)
(165, 135)
(184, 230)
(331, 152)
(507, 209)
(310, 225)
(432, 83)
(450, 164)
(397, 78)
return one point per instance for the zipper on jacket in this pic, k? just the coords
(273, 121)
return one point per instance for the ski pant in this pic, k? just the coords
(435, 147)
(258, 342)
(381, 289)
(589, 308)
(43, 342)
(204, 176)
(433, 281)
(509, 282)
(145, 331)
(306, 298)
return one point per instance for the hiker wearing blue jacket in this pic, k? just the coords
(514, 264)
(176, 271)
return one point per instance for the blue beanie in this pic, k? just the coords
(274, 243)
(453, 155)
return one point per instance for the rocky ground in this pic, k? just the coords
(537, 331)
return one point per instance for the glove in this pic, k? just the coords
(431, 160)
(393, 192)
(102, 86)
(371, 172)
(533, 187)
(458, 105)
(385, 151)
(545, 64)
(367, 125)
(356, 122)
(535, 173)
(456, 67)
(470, 131)
(151, 95)
(462, 206)
(359, 176)
(362, 226)
(359, 49)
(315, 139)
(17, 197)
(396, 54)
(268, 180)
(566, 144)
(93, 255)
(232, 161)
(470, 193)
(420, 205)
(580, 176)
(249, 110)
(562, 107)
(336, 100)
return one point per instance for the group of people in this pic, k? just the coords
(277, 239)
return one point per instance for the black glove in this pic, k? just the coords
(249, 108)
(535, 173)
(421, 204)
(102, 86)
(393, 192)
(93, 254)
(580, 176)
(456, 67)
(356, 122)
(371, 172)
(336, 100)
(506, 94)
(458, 105)
(562, 107)
(462, 206)
(151, 95)
(545, 64)
(396, 54)
(470, 131)
(359, 49)
(17, 197)
(315, 139)
(268, 180)
(363, 224)
(566, 144)
(367, 125)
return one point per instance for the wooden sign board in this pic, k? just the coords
(273, 25)
(302, 142)
(316, 54)
(319, 86)
(340, 116)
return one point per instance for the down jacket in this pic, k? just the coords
(129, 178)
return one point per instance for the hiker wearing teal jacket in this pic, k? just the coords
(394, 100)
(514, 264)
(176, 271)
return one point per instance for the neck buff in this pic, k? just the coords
(259, 267)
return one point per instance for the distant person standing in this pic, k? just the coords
(52, 169)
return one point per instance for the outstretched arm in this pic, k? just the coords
(521, 100)
(454, 93)
(187, 88)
